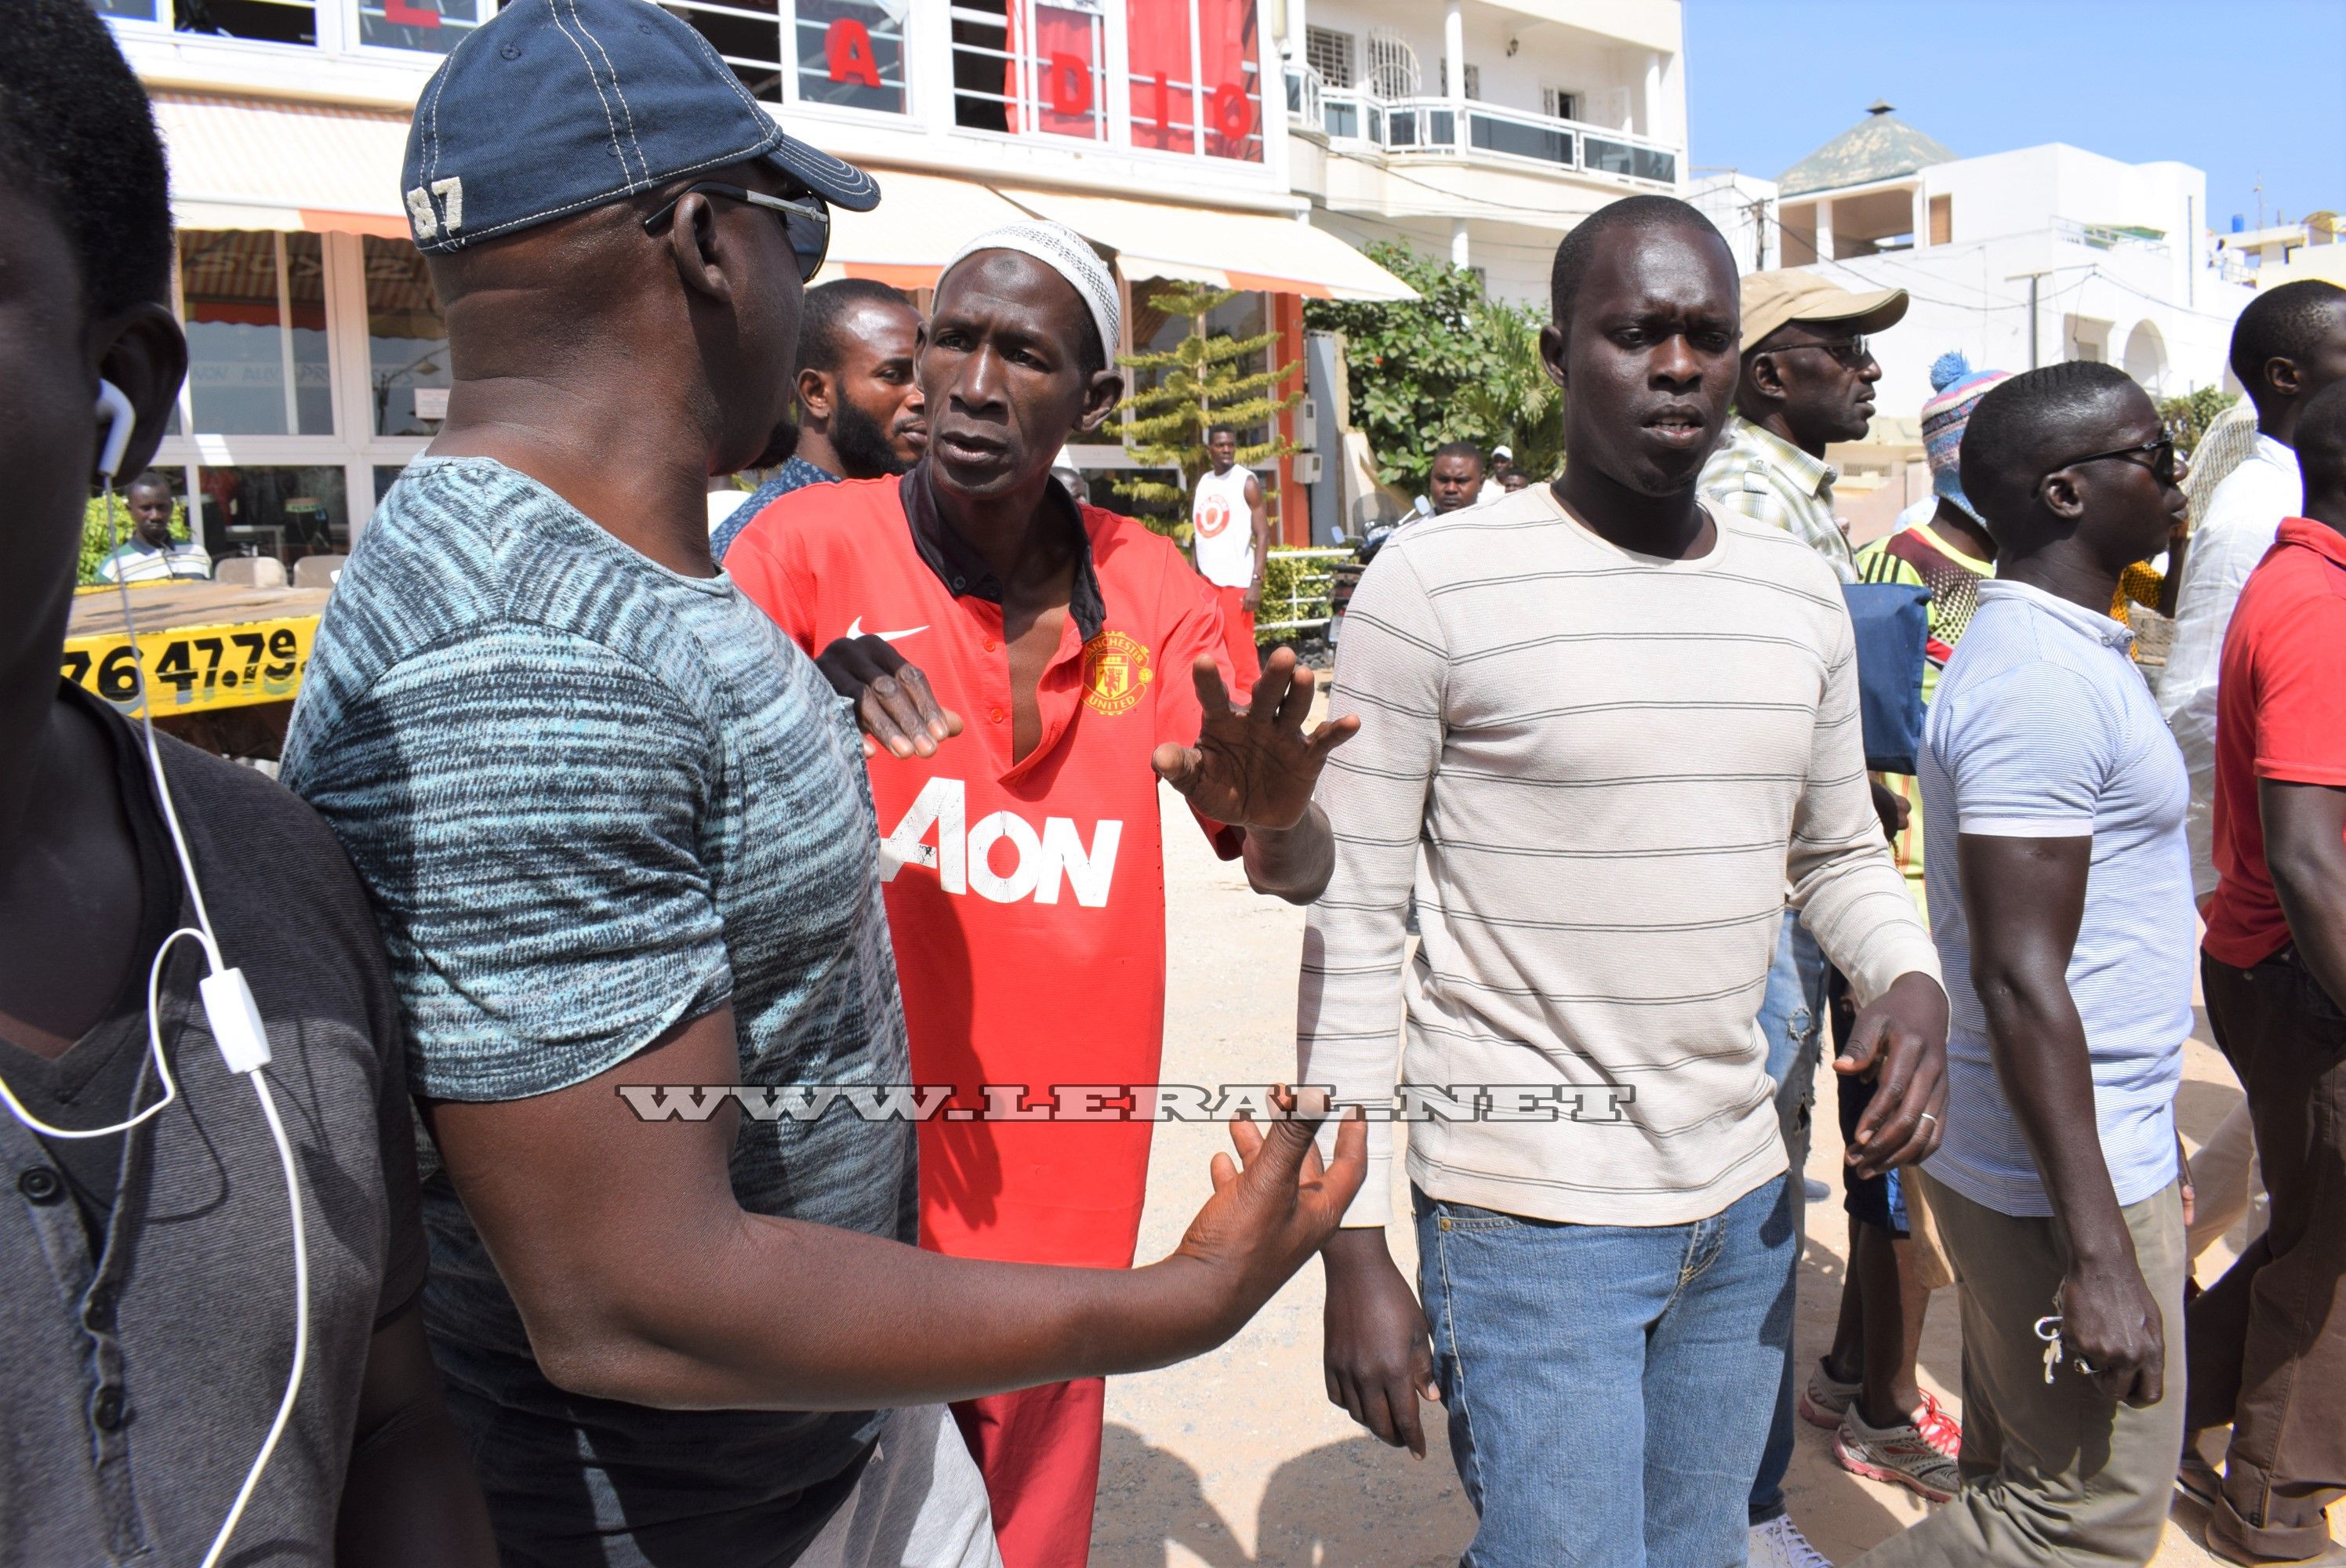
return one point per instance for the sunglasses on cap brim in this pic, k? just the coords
(806, 218)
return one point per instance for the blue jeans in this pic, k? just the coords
(1607, 1386)
(1793, 1017)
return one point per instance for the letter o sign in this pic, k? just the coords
(1024, 875)
(1234, 113)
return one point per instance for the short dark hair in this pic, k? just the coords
(77, 130)
(148, 479)
(2321, 440)
(1214, 430)
(822, 326)
(2284, 324)
(1643, 214)
(1460, 449)
(2026, 427)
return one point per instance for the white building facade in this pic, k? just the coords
(2015, 258)
(1155, 127)
(1481, 130)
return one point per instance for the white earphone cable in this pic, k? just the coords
(226, 999)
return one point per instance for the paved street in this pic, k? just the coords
(1237, 1459)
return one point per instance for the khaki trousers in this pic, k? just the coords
(2058, 1473)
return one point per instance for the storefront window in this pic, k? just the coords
(407, 343)
(255, 308)
(1173, 96)
(125, 10)
(270, 21)
(1024, 65)
(287, 512)
(852, 52)
(428, 26)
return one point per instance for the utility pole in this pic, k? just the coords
(2033, 280)
(1757, 211)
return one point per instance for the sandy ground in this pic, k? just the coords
(1237, 1458)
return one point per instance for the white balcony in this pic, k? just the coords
(1439, 129)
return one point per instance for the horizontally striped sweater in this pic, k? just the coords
(1596, 772)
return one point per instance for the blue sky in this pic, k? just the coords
(2241, 88)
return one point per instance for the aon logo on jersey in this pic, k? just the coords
(1000, 857)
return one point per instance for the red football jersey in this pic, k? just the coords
(1027, 900)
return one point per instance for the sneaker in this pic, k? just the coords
(1826, 1396)
(1919, 1454)
(1779, 1543)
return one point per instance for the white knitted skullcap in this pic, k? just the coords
(1064, 251)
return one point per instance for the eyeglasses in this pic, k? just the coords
(806, 221)
(2161, 464)
(1850, 351)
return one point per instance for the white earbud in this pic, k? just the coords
(121, 424)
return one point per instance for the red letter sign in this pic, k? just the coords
(401, 13)
(1232, 112)
(847, 49)
(1071, 85)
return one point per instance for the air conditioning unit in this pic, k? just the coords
(1307, 467)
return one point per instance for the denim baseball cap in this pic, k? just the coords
(554, 107)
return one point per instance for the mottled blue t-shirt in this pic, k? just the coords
(593, 797)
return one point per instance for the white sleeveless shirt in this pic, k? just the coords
(1222, 528)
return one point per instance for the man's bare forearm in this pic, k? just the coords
(2037, 1041)
(2305, 846)
(1292, 863)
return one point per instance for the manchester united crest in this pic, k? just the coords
(1115, 672)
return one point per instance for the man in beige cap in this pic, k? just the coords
(1806, 381)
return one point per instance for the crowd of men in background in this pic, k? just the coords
(603, 777)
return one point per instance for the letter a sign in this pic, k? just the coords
(847, 52)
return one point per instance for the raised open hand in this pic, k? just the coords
(1253, 766)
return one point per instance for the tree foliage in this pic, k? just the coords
(1185, 391)
(2190, 415)
(1452, 364)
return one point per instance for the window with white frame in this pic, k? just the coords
(851, 53)
(1330, 53)
(1193, 79)
(1031, 66)
(427, 26)
(1473, 79)
(1560, 103)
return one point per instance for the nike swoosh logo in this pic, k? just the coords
(855, 629)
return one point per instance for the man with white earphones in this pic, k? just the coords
(210, 1259)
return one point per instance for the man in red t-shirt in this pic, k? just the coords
(2268, 1342)
(1076, 657)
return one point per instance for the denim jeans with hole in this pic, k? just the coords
(1792, 1020)
(1608, 1387)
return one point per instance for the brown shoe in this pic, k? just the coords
(2202, 1482)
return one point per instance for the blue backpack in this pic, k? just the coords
(1892, 624)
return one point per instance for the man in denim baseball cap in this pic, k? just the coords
(617, 831)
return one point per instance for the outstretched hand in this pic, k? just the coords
(1253, 766)
(1273, 1206)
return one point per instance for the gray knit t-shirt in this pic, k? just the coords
(592, 799)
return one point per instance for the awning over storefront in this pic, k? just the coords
(923, 218)
(921, 221)
(245, 163)
(1214, 245)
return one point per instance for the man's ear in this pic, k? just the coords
(693, 245)
(143, 351)
(2282, 375)
(1100, 401)
(816, 393)
(1552, 345)
(1758, 380)
(2063, 495)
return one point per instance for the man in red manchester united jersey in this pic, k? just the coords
(1025, 670)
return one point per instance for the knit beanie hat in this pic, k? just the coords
(1958, 388)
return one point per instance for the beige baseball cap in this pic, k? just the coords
(1793, 294)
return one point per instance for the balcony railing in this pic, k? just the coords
(2110, 236)
(1432, 126)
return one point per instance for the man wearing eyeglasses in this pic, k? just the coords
(618, 837)
(2060, 893)
(1806, 381)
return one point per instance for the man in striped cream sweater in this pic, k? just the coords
(1601, 726)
